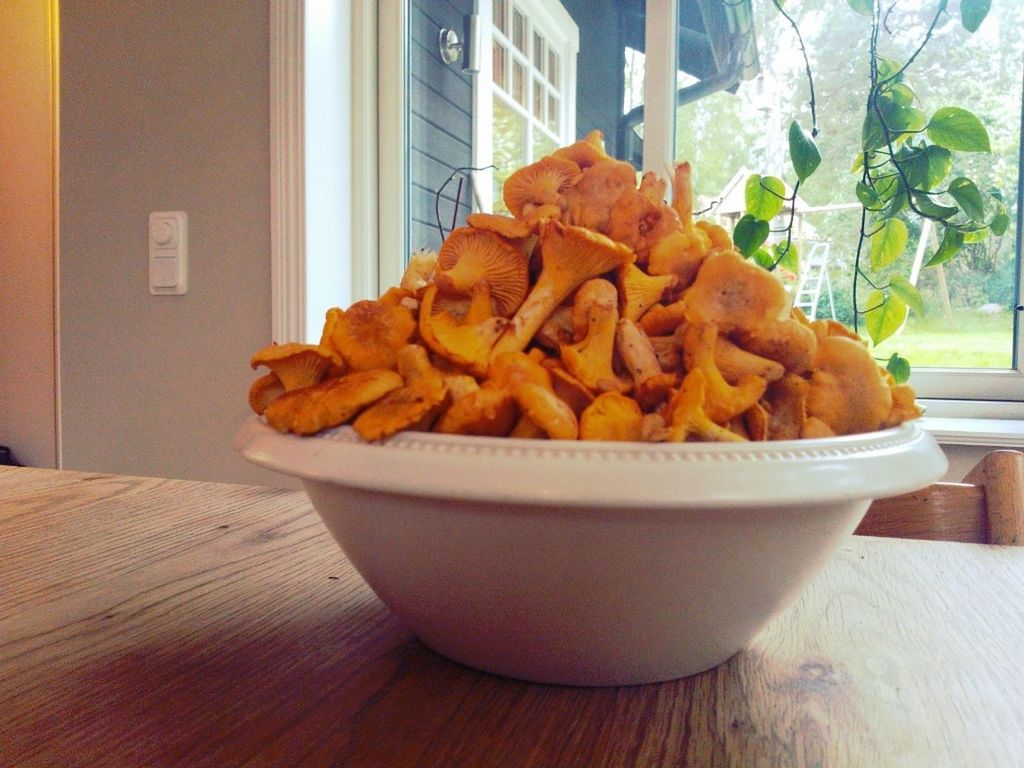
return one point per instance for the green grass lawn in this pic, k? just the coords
(972, 340)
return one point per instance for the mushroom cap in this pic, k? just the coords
(263, 391)
(411, 407)
(570, 389)
(586, 152)
(788, 342)
(681, 254)
(722, 400)
(333, 402)
(639, 291)
(296, 365)
(787, 407)
(469, 255)
(640, 220)
(734, 294)
(544, 409)
(540, 183)
(848, 391)
(591, 199)
(488, 411)
(686, 415)
(508, 370)
(370, 333)
(468, 342)
(612, 416)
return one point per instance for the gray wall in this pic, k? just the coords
(164, 106)
(440, 121)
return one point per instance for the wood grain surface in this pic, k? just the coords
(148, 622)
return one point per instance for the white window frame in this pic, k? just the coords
(559, 29)
(378, 148)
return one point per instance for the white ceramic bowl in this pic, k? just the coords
(589, 563)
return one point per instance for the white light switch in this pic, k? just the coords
(168, 253)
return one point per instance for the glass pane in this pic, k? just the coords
(538, 52)
(542, 144)
(553, 74)
(509, 140)
(553, 112)
(519, 30)
(970, 300)
(500, 11)
(519, 82)
(538, 100)
(498, 66)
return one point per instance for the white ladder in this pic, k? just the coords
(814, 277)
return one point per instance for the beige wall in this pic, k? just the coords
(164, 107)
(27, 175)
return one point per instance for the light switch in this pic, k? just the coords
(168, 253)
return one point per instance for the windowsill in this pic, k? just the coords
(995, 433)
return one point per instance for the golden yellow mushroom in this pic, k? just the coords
(612, 416)
(470, 255)
(571, 255)
(335, 401)
(848, 392)
(296, 365)
(370, 333)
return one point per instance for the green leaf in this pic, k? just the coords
(900, 93)
(952, 242)
(888, 243)
(957, 129)
(764, 259)
(976, 236)
(885, 315)
(999, 224)
(888, 68)
(863, 7)
(899, 368)
(872, 135)
(973, 12)
(803, 151)
(786, 258)
(964, 191)
(867, 196)
(902, 287)
(940, 162)
(765, 196)
(930, 208)
(749, 233)
(896, 204)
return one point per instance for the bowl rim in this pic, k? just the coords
(517, 471)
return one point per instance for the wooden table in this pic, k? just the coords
(148, 622)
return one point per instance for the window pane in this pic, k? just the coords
(542, 144)
(500, 57)
(500, 11)
(970, 322)
(553, 73)
(519, 82)
(538, 53)
(518, 30)
(509, 138)
(538, 100)
(553, 112)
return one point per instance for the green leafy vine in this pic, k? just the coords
(902, 166)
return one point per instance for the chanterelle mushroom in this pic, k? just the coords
(687, 417)
(467, 342)
(312, 409)
(848, 392)
(413, 406)
(734, 294)
(722, 401)
(542, 183)
(612, 416)
(296, 365)
(590, 358)
(571, 255)
(370, 333)
(470, 255)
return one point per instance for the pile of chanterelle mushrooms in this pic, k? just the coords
(596, 311)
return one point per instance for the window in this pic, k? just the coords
(968, 345)
(525, 94)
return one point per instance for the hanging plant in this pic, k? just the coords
(903, 169)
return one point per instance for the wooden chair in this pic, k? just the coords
(987, 507)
